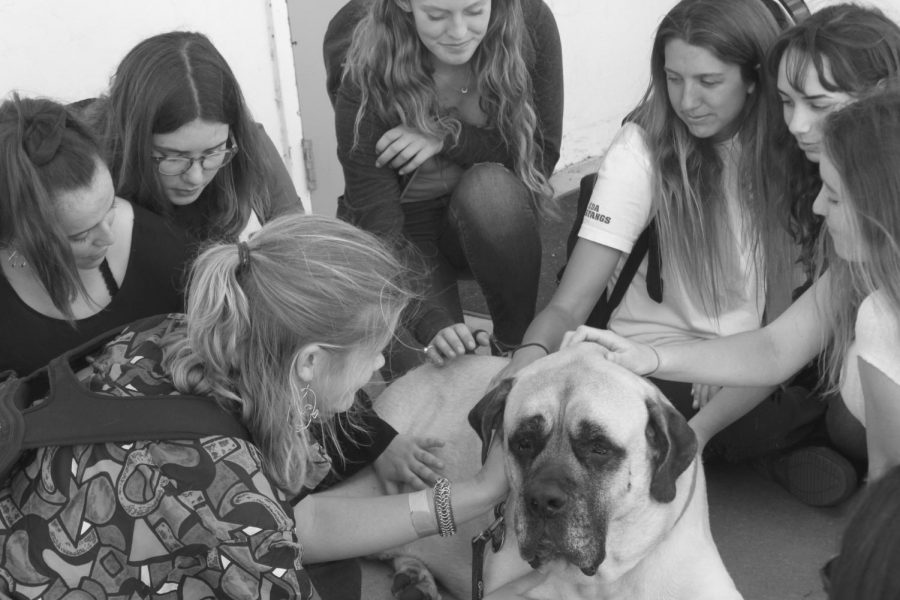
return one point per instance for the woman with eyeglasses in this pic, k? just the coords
(75, 259)
(182, 143)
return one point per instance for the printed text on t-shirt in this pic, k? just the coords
(593, 213)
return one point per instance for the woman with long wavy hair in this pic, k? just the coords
(690, 166)
(448, 120)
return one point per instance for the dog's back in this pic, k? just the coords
(435, 402)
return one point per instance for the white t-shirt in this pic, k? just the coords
(620, 209)
(878, 343)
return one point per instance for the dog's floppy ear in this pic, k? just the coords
(672, 444)
(487, 416)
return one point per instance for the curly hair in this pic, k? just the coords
(688, 177)
(390, 67)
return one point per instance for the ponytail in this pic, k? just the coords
(254, 306)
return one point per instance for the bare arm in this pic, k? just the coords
(766, 356)
(331, 526)
(882, 401)
(761, 357)
(586, 276)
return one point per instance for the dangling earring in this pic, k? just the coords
(16, 264)
(308, 411)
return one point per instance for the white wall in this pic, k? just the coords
(68, 50)
(606, 56)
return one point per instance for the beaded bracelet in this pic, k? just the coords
(535, 344)
(442, 508)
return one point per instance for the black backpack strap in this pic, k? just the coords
(647, 244)
(610, 300)
(73, 414)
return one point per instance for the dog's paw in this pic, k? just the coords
(413, 580)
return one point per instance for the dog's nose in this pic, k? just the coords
(546, 500)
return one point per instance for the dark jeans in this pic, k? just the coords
(785, 419)
(486, 229)
(845, 431)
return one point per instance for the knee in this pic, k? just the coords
(490, 190)
(487, 176)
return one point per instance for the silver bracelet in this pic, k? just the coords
(442, 508)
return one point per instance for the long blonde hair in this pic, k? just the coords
(304, 279)
(389, 66)
(862, 140)
(688, 171)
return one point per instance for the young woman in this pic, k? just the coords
(851, 315)
(693, 158)
(76, 260)
(213, 518)
(182, 142)
(449, 119)
(826, 61)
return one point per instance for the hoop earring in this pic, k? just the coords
(16, 264)
(308, 411)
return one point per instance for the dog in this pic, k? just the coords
(607, 492)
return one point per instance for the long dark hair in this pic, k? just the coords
(163, 83)
(861, 48)
(688, 170)
(44, 151)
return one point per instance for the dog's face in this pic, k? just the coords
(590, 450)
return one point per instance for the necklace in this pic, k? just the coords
(465, 89)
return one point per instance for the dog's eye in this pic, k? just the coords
(598, 448)
(523, 445)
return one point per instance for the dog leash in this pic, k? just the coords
(496, 533)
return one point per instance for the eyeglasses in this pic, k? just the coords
(178, 165)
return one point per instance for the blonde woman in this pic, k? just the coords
(449, 120)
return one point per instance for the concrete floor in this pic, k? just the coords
(772, 545)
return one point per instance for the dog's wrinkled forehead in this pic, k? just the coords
(578, 384)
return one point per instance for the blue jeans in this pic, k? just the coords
(486, 229)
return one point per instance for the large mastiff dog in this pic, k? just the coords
(608, 496)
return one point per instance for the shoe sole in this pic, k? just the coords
(817, 476)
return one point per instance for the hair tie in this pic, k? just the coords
(243, 258)
(43, 135)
